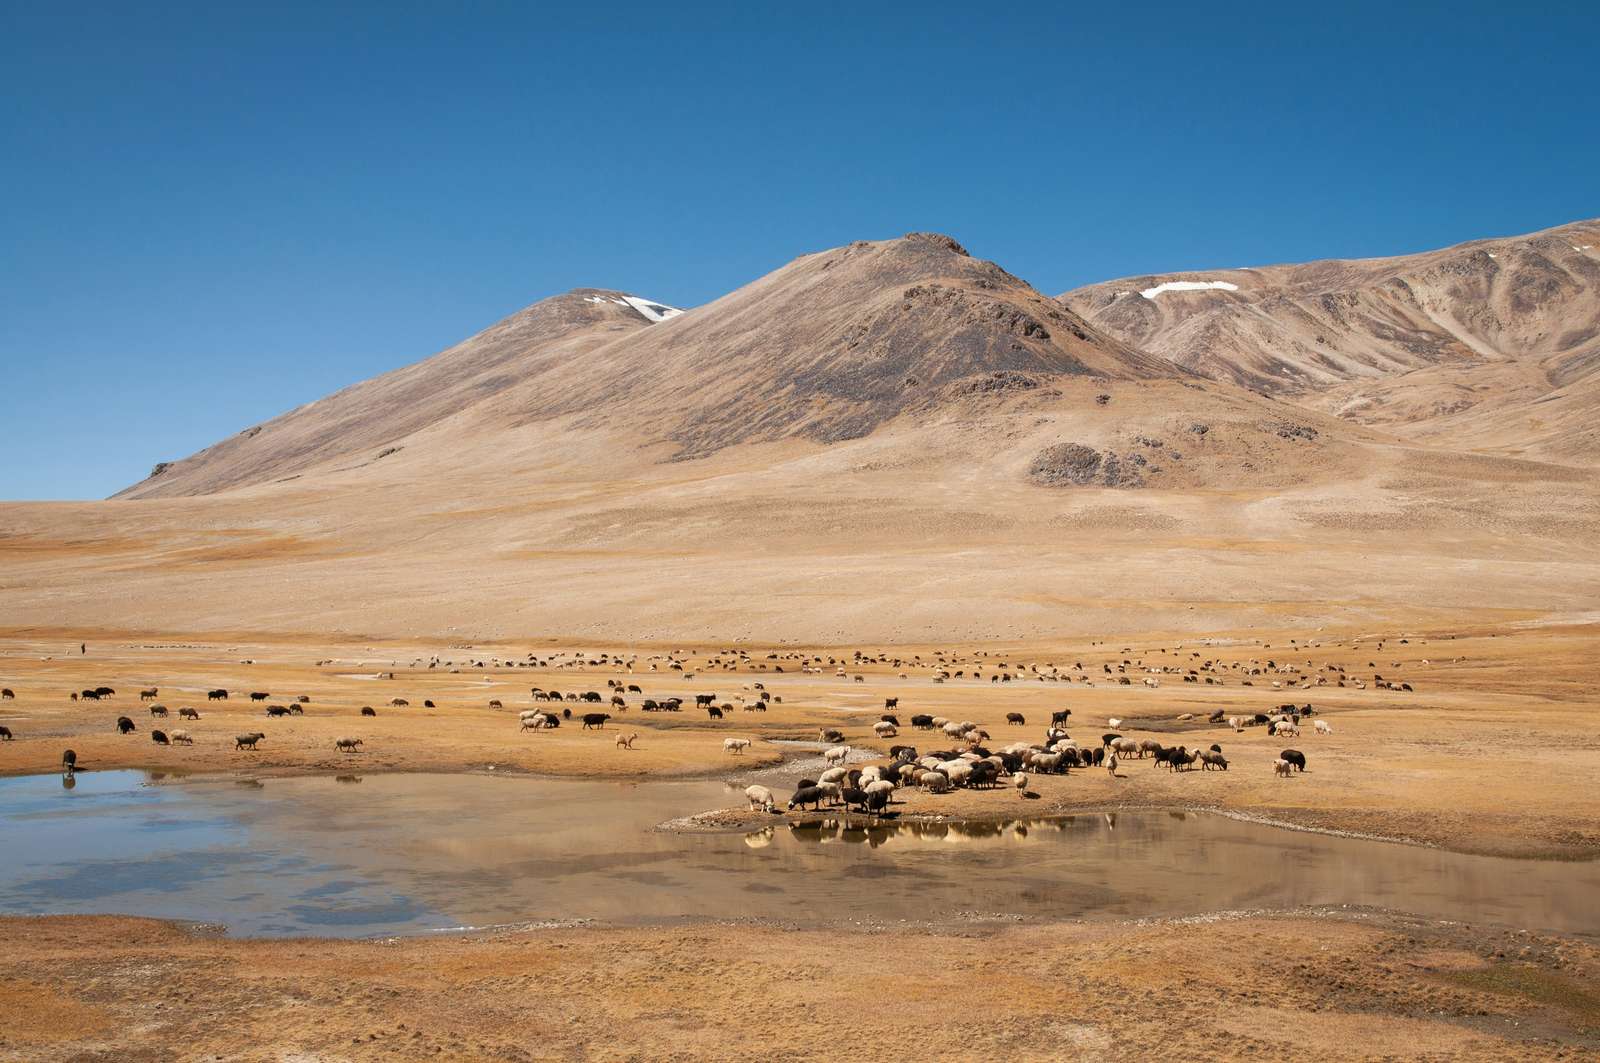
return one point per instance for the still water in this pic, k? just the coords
(382, 854)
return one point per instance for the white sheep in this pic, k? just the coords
(935, 782)
(1323, 727)
(735, 745)
(1236, 722)
(832, 791)
(1020, 781)
(759, 797)
(180, 738)
(954, 730)
(1115, 723)
(836, 755)
(837, 776)
(625, 741)
(878, 786)
(885, 729)
(1282, 768)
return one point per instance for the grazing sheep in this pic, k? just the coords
(735, 745)
(247, 741)
(760, 798)
(884, 729)
(922, 721)
(1210, 761)
(7, 694)
(159, 738)
(181, 738)
(1282, 768)
(935, 782)
(495, 704)
(879, 786)
(398, 703)
(368, 710)
(1128, 747)
(217, 695)
(347, 745)
(5, 733)
(836, 755)
(834, 775)
(189, 714)
(158, 710)
(807, 795)
(149, 694)
(1295, 757)
(877, 801)
(828, 734)
(125, 725)
(1323, 727)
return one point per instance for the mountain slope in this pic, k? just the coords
(360, 422)
(1294, 329)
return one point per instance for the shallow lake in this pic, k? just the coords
(381, 854)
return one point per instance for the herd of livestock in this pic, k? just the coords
(970, 759)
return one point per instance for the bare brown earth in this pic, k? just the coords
(1489, 753)
(1309, 986)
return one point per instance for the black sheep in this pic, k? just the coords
(595, 719)
(1295, 757)
(923, 721)
(854, 797)
(159, 738)
(877, 802)
(807, 795)
(125, 725)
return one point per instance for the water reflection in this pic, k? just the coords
(407, 853)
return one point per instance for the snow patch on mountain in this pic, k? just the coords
(1188, 286)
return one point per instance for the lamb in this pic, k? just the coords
(1020, 781)
(1323, 727)
(625, 741)
(1282, 768)
(181, 738)
(760, 798)
(347, 745)
(836, 755)
(735, 745)
(1115, 723)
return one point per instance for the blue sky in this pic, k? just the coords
(211, 213)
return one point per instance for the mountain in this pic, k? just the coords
(1463, 345)
(826, 348)
(362, 422)
(891, 441)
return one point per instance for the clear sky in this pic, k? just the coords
(213, 212)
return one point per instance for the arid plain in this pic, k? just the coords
(895, 462)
